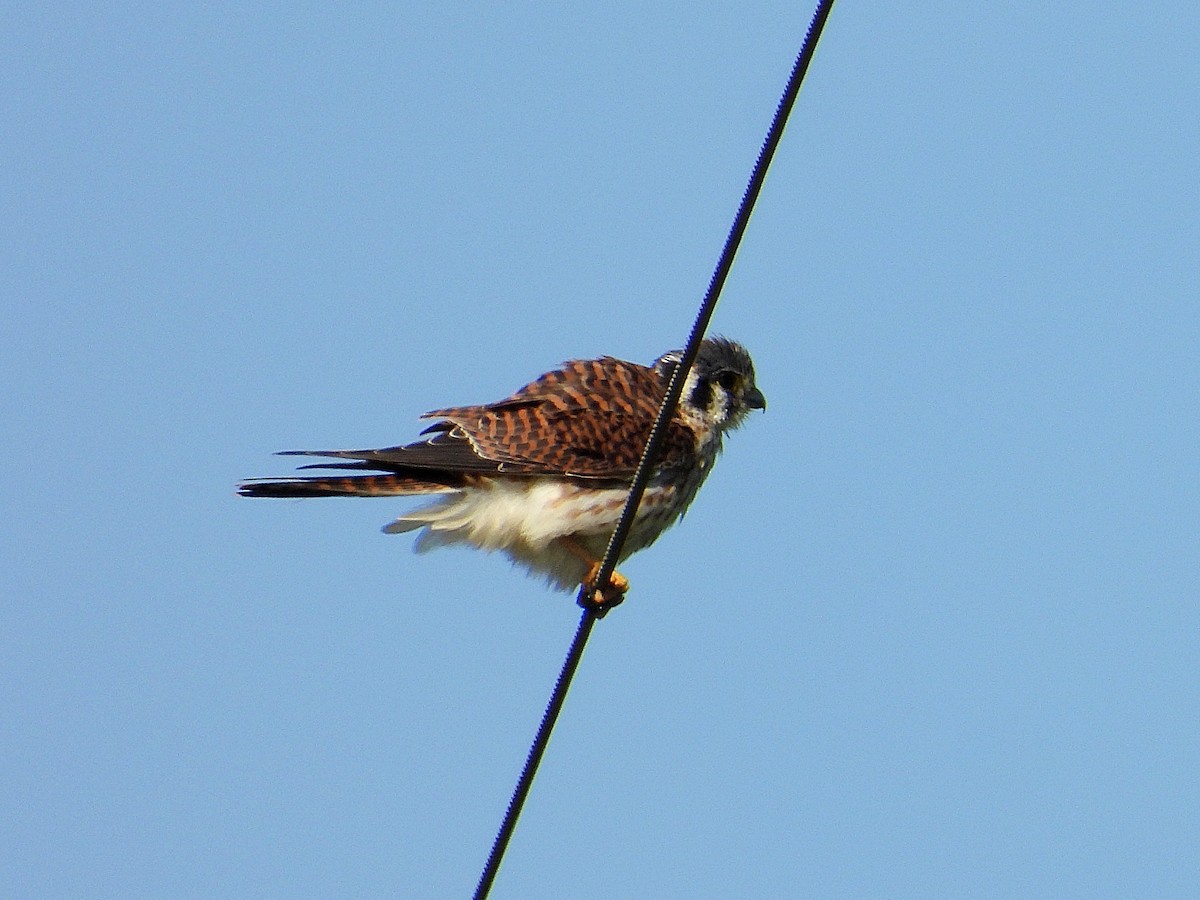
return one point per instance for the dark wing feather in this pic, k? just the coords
(444, 452)
(589, 419)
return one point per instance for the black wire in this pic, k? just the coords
(658, 433)
(549, 717)
(591, 610)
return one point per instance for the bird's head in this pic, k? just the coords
(719, 391)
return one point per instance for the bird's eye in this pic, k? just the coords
(727, 381)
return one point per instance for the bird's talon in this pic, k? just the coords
(601, 600)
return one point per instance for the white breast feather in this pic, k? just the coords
(522, 518)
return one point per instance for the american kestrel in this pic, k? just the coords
(543, 475)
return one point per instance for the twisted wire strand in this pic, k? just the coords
(592, 611)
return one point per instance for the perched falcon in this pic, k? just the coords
(543, 475)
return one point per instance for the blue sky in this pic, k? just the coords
(930, 629)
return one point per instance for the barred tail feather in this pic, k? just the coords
(357, 486)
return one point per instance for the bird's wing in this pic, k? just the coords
(588, 419)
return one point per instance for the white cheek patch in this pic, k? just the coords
(718, 407)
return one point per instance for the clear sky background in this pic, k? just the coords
(931, 628)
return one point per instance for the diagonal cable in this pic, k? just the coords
(592, 611)
(658, 433)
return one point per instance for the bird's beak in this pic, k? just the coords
(754, 399)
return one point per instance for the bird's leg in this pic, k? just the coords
(608, 595)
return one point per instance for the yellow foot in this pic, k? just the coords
(599, 599)
(611, 594)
